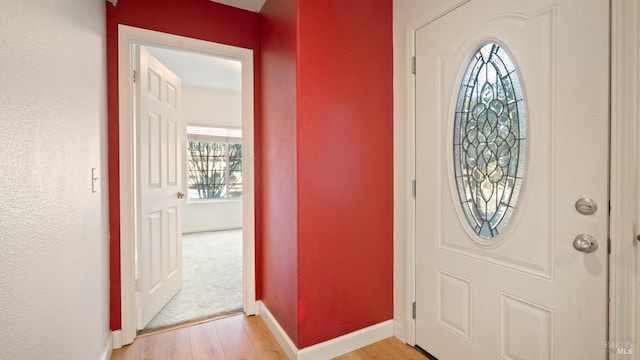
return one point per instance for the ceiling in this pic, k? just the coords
(201, 71)
(251, 5)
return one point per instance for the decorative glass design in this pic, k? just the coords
(489, 140)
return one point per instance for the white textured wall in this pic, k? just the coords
(404, 13)
(54, 291)
(218, 215)
(212, 108)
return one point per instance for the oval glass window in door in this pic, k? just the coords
(489, 141)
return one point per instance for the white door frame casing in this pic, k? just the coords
(625, 159)
(127, 37)
(625, 75)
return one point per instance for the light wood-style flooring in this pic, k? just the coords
(238, 337)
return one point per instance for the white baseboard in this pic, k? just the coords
(349, 342)
(331, 348)
(116, 337)
(108, 349)
(283, 339)
(399, 331)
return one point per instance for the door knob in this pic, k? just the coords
(180, 194)
(585, 243)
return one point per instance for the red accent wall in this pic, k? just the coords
(324, 152)
(279, 184)
(345, 166)
(200, 19)
(343, 172)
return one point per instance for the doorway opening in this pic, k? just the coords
(238, 231)
(211, 108)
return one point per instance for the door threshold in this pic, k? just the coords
(425, 353)
(187, 323)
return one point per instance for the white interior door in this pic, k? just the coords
(160, 151)
(497, 274)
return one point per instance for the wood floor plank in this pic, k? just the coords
(398, 347)
(350, 356)
(167, 345)
(387, 349)
(376, 352)
(205, 342)
(129, 352)
(239, 337)
(371, 352)
(263, 341)
(235, 340)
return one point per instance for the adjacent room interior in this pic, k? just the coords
(210, 112)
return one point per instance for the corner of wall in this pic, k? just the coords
(108, 348)
(283, 339)
(116, 339)
(331, 348)
(399, 331)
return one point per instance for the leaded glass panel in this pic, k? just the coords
(489, 141)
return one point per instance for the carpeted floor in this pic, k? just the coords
(211, 279)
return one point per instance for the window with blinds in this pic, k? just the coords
(214, 163)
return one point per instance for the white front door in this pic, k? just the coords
(160, 147)
(497, 274)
